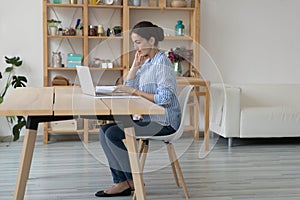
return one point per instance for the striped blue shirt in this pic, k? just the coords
(156, 76)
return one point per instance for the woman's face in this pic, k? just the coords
(141, 45)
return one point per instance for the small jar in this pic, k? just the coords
(73, 1)
(179, 28)
(136, 2)
(93, 2)
(93, 30)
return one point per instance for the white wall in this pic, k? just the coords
(21, 35)
(251, 41)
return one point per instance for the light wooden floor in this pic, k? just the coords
(252, 170)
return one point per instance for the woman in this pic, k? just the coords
(152, 77)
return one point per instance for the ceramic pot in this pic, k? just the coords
(53, 30)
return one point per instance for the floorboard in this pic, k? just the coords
(259, 169)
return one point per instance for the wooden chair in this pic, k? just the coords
(168, 140)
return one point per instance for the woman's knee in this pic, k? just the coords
(114, 133)
(103, 131)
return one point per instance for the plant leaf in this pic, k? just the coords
(1, 99)
(9, 69)
(12, 60)
(19, 81)
(16, 132)
(18, 63)
(18, 127)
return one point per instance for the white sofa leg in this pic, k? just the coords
(230, 141)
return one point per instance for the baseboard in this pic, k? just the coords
(6, 138)
(57, 137)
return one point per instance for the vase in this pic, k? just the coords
(177, 68)
(53, 30)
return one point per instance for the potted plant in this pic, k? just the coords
(12, 81)
(177, 56)
(53, 26)
(117, 30)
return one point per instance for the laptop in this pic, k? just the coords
(88, 88)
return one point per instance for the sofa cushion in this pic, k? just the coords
(279, 121)
(270, 95)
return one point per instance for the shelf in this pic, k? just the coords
(65, 36)
(81, 37)
(91, 68)
(178, 38)
(105, 37)
(160, 8)
(106, 6)
(65, 5)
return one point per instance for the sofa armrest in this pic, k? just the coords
(225, 110)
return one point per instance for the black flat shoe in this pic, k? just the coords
(101, 193)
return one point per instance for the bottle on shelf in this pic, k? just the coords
(136, 2)
(56, 1)
(101, 31)
(179, 28)
(108, 31)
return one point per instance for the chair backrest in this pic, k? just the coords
(183, 100)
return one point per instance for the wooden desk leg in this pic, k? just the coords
(196, 114)
(206, 121)
(86, 131)
(46, 134)
(135, 163)
(25, 163)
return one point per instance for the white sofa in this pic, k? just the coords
(255, 110)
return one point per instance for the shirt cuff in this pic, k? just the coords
(129, 83)
(156, 99)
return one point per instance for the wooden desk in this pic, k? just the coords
(198, 83)
(49, 104)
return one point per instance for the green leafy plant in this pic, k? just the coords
(53, 22)
(13, 81)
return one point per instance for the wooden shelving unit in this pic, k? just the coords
(125, 10)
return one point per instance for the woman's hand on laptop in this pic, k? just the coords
(125, 88)
(132, 91)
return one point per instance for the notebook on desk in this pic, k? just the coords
(88, 88)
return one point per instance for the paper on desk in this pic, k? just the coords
(105, 89)
(117, 97)
(106, 92)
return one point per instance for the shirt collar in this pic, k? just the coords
(154, 59)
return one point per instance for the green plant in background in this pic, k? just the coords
(53, 22)
(13, 81)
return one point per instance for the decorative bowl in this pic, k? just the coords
(178, 3)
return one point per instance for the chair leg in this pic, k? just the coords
(173, 165)
(141, 147)
(173, 158)
(143, 150)
(144, 153)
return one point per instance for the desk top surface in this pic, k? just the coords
(28, 101)
(191, 81)
(65, 101)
